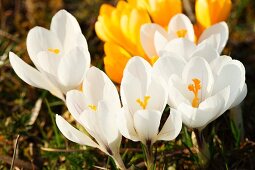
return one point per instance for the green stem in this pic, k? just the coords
(149, 156)
(204, 153)
(55, 129)
(118, 161)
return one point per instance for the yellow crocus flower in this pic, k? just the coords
(209, 12)
(119, 28)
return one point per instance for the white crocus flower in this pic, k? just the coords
(144, 98)
(180, 36)
(96, 109)
(60, 55)
(203, 91)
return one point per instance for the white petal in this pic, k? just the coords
(172, 126)
(89, 121)
(182, 47)
(139, 68)
(147, 32)
(207, 111)
(67, 29)
(225, 78)
(73, 134)
(97, 86)
(240, 96)
(107, 121)
(76, 103)
(158, 95)
(72, 68)
(146, 123)
(205, 51)
(130, 91)
(198, 68)
(181, 22)
(160, 41)
(135, 82)
(218, 62)
(178, 92)
(167, 66)
(32, 76)
(126, 125)
(48, 63)
(219, 30)
(40, 39)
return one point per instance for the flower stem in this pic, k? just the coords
(118, 160)
(204, 153)
(149, 156)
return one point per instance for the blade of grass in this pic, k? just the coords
(55, 129)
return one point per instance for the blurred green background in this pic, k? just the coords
(39, 147)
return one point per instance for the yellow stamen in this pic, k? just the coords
(181, 33)
(195, 87)
(54, 50)
(143, 103)
(154, 59)
(92, 107)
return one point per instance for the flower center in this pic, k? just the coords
(143, 103)
(54, 50)
(181, 33)
(92, 107)
(195, 87)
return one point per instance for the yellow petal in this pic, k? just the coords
(115, 61)
(209, 12)
(161, 11)
(121, 25)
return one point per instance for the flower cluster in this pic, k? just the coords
(119, 27)
(188, 74)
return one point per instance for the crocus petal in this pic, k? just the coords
(107, 123)
(135, 82)
(126, 125)
(160, 40)
(40, 39)
(177, 92)
(206, 51)
(147, 39)
(146, 123)
(240, 96)
(172, 126)
(76, 103)
(209, 12)
(139, 68)
(97, 86)
(115, 61)
(181, 22)
(167, 66)
(130, 91)
(48, 63)
(32, 76)
(89, 121)
(73, 134)
(218, 62)
(66, 27)
(72, 68)
(182, 47)
(207, 111)
(158, 95)
(199, 68)
(220, 32)
(224, 78)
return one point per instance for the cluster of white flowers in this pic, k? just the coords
(189, 75)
